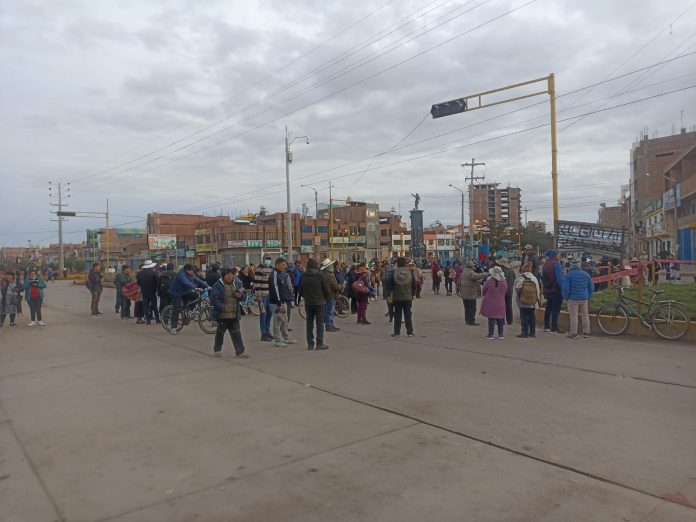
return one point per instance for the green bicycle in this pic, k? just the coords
(666, 318)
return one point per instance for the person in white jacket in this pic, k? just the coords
(528, 296)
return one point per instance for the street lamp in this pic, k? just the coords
(288, 160)
(461, 243)
(676, 217)
(316, 214)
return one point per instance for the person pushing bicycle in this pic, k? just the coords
(184, 289)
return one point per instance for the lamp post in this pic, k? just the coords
(461, 243)
(316, 216)
(676, 217)
(288, 160)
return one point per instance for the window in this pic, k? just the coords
(307, 229)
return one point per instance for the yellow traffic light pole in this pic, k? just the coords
(464, 105)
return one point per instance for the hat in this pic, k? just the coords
(149, 264)
(503, 261)
(267, 256)
(530, 247)
(362, 270)
(326, 263)
(312, 263)
(497, 273)
(469, 264)
(551, 253)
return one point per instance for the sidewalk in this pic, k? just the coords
(106, 420)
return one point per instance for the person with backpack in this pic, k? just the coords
(528, 295)
(577, 291)
(401, 285)
(552, 281)
(165, 283)
(121, 279)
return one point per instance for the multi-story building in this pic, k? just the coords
(497, 205)
(390, 225)
(540, 226)
(124, 246)
(662, 168)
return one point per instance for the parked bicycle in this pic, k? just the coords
(342, 307)
(250, 304)
(666, 318)
(198, 310)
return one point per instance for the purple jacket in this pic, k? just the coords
(493, 302)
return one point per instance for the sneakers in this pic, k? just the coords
(218, 354)
(586, 336)
(41, 323)
(322, 347)
(489, 338)
(572, 336)
(173, 331)
(395, 335)
(289, 341)
(242, 356)
(410, 335)
(522, 336)
(500, 337)
(31, 323)
(310, 347)
(330, 329)
(280, 345)
(266, 338)
(15, 324)
(547, 330)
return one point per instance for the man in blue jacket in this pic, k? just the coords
(577, 291)
(183, 290)
(552, 281)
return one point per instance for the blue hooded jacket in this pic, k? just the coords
(184, 284)
(577, 285)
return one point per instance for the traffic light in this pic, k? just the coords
(448, 108)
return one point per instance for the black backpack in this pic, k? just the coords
(546, 279)
(165, 284)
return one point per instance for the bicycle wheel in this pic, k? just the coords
(253, 308)
(167, 318)
(206, 322)
(612, 319)
(670, 322)
(300, 308)
(342, 306)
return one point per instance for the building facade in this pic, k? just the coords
(493, 204)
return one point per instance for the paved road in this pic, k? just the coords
(102, 420)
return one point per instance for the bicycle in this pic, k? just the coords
(198, 310)
(250, 304)
(666, 318)
(342, 307)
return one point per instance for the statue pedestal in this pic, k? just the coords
(417, 243)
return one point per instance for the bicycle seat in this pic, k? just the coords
(657, 292)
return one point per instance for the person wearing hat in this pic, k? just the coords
(261, 275)
(327, 271)
(315, 293)
(528, 256)
(401, 286)
(510, 277)
(148, 281)
(493, 302)
(213, 275)
(552, 282)
(577, 291)
(224, 298)
(469, 289)
(363, 279)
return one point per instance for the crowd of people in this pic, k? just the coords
(279, 287)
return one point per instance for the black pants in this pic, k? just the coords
(491, 326)
(554, 300)
(528, 321)
(508, 309)
(448, 286)
(353, 304)
(315, 314)
(164, 300)
(177, 304)
(150, 306)
(403, 308)
(35, 308)
(469, 311)
(232, 326)
(12, 318)
(125, 307)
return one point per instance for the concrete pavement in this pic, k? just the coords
(106, 420)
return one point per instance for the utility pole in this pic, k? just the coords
(461, 240)
(60, 205)
(525, 210)
(316, 218)
(472, 179)
(331, 241)
(288, 160)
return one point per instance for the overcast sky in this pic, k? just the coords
(182, 105)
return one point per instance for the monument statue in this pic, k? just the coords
(417, 198)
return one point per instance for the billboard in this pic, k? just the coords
(161, 241)
(588, 237)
